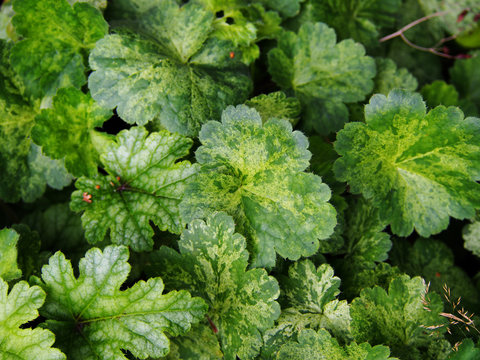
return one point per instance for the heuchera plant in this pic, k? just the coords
(239, 179)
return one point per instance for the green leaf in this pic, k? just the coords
(174, 74)
(439, 93)
(471, 235)
(323, 75)
(212, 264)
(8, 255)
(92, 318)
(389, 77)
(434, 261)
(464, 75)
(66, 130)
(287, 8)
(255, 173)
(310, 301)
(17, 308)
(466, 351)
(144, 183)
(396, 318)
(322, 346)
(417, 168)
(56, 40)
(99, 4)
(276, 105)
(360, 20)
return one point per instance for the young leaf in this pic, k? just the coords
(17, 308)
(322, 346)
(310, 302)
(324, 75)
(68, 128)
(92, 318)
(255, 172)
(439, 93)
(418, 168)
(212, 264)
(143, 184)
(276, 105)
(174, 73)
(396, 318)
(56, 40)
(8, 255)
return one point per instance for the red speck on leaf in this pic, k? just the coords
(476, 17)
(462, 15)
(232, 54)
(118, 178)
(212, 325)
(437, 274)
(87, 197)
(97, 187)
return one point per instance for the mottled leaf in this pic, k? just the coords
(323, 75)
(321, 346)
(67, 129)
(17, 308)
(471, 235)
(173, 72)
(144, 183)
(92, 318)
(276, 105)
(396, 318)
(8, 255)
(309, 301)
(418, 168)
(255, 172)
(56, 41)
(212, 264)
(390, 77)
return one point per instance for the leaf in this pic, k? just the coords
(92, 318)
(440, 93)
(465, 77)
(310, 301)
(287, 8)
(471, 236)
(396, 318)
(212, 264)
(173, 73)
(322, 74)
(147, 186)
(68, 130)
(466, 351)
(389, 77)
(8, 255)
(17, 308)
(99, 4)
(276, 105)
(321, 346)
(360, 20)
(255, 173)
(434, 261)
(417, 168)
(56, 40)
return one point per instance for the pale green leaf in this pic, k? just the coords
(310, 301)
(144, 183)
(471, 235)
(56, 41)
(390, 77)
(8, 255)
(99, 4)
(66, 130)
(323, 75)
(276, 105)
(212, 264)
(466, 351)
(396, 318)
(93, 319)
(255, 173)
(322, 346)
(418, 168)
(17, 308)
(173, 72)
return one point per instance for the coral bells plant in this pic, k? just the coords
(292, 179)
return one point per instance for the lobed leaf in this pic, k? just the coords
(8, 255)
